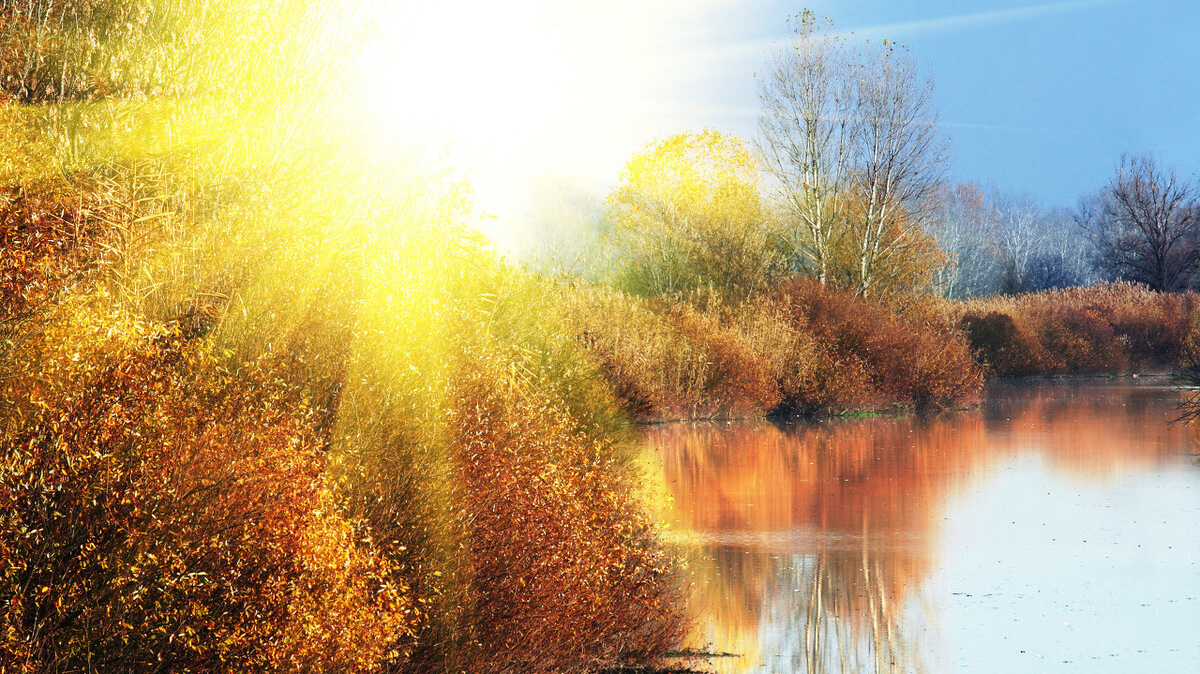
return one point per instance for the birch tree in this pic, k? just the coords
(1019, 233)
(850, 136)
(899, 163)
(805, 138)
(961, 228)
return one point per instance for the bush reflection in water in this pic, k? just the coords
(809, 543)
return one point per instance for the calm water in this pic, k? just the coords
(1056, 529)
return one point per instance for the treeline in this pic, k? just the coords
(998, 244)
(846, 183)
(1142, 227)
(693, 304)
(824, 267)
(264, 407)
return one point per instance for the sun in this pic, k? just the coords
(514, 92)
(485, 83)
(471, 70)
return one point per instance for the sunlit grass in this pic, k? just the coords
(253, 214)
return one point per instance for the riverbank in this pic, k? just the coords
(808, 350)
(426, 476)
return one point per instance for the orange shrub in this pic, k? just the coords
(47, 236)
(1083, 340)
(801, 368)
(1108, 327)
(560, 570)
(163, 512)
(737, 382)
(1004, 348)
(876, 356)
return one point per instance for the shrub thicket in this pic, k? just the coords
(164, 511)
(805, 348)
(878, 356)
(1106, 328)
(249, 494)
(561, 571)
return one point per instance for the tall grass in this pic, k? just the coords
(807, 348)
(1107, 328)
(668, 360)
(804, 348)
(476, 435)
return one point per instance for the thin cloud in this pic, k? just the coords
(703, 111)
(995, 127)
(965, 22)
(741, 49)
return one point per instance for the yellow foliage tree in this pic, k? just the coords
(688, 217)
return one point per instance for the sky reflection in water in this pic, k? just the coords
(1056, 529)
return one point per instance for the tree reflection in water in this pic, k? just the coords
(809, 543)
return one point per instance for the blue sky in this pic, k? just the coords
(1037, 97)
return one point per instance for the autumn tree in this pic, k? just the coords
(908, 262)
(850, 136)
(687, 216)
(1145, 225)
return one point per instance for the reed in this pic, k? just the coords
(1108, 328)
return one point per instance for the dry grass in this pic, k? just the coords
(561, 570)
(667, 360)
(877, 356)
(1107, 328)
(803, 349)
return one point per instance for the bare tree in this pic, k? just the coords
(1146, 225)
(851, 138)
(1065, 259)
(1006, 243)
(805, 137)
(900, 162)
(962, 228)
(1018, 235)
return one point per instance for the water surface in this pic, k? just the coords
(1054, 529)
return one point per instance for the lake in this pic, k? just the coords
(1056, 528)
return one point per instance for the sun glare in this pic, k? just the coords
(482, 81)
(512, 92)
